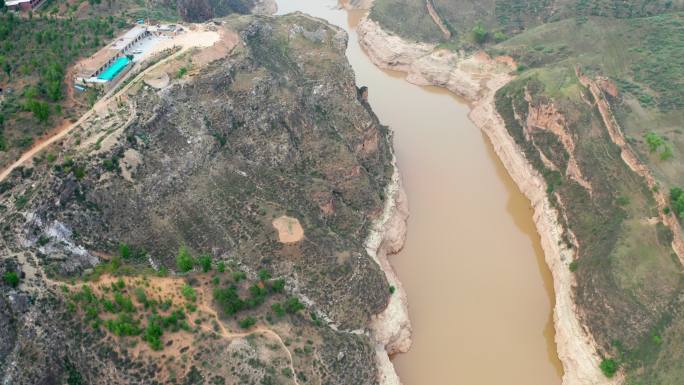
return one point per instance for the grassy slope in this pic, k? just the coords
(644, 57)
(629, 282)
(409, 18)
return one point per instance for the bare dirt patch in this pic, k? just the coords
(289, 229)
(158, 79)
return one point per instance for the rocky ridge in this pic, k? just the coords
(204, 163)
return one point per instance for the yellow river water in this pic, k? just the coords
(480, 295)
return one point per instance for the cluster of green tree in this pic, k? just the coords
(127, 317)
(481, 35)
(186, 262)
(656, 144)
(677, 201)
(230, 301)
(34, 54)
(291, 305)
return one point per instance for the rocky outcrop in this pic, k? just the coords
(390, 329)
(477, 78)
(546, 117)
(389, 51)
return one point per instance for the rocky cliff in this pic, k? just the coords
(568, 127)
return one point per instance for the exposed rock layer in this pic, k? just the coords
(477, 78)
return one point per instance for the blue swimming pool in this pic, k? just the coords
(114, 69)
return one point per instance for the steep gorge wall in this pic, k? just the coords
(477, 78)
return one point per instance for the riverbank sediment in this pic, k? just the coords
(477, 78)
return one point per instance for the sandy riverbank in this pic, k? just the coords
(477, 78)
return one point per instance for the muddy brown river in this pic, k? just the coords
(480, 296)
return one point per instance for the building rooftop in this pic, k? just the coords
(87, 67)
(10, 3)
(128, 37)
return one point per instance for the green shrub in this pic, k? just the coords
(677, 200)
(181, 72)
(123, 325)
(257, 296)
(204, 261)
(609, 367)
(124, 250)
(124, 303)
(184, 261)
(221, 267)
(189, 293)
(278, 285)
(264, 275)
(654, 141)
(20, 202)
(11, 278)
(666, 153)
(43, 240)
(79, 172)
(278, 309)
(499, 36)
(153, 333)
(622, 201)
(228, 299)
(141, 296)
(292, 305)
(239, 276)
(480, 34)
(247, 322)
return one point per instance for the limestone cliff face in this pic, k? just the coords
(390, 329)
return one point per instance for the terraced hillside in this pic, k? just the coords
(208, 228)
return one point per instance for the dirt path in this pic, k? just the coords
(225, 333)
(203, 306)
(437, 19)
(189, 40)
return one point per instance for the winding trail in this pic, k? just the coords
(225, 333)
(205, 307)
